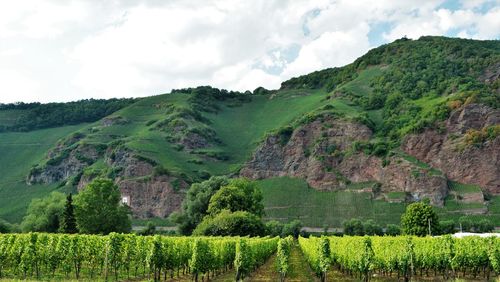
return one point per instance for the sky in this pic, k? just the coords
(64, 50)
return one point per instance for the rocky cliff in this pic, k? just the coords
(150, 192)
(322, 153)
(455, 150)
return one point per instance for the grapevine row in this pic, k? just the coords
(121, 256)
(283, 256)
(404, 256)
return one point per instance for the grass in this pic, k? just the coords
(360, 86)
(396, 195)
(242, 128)
(463, 188)
(157, 221)
(18, 153)
(418, 163)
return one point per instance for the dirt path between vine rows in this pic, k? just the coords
(299, 270)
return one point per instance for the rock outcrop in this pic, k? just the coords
(62, 165)
(447, 151)
(321, 153)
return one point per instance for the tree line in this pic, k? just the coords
(31, 116)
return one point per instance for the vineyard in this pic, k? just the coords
(115, 257)
(404, 257)
(124, 256)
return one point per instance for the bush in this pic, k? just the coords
(44, 214)
(226, 223)
(372, 228)
(447, 227)
(392, 230)
(274, 228)
(354, 227)
(484, 226)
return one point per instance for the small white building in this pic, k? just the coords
(126, 200)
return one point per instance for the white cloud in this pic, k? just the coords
(330, 49)
(67, 50)
(17, 86)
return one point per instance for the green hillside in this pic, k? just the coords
(18, 153)
(396, 89)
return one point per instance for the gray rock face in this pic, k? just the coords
(64, 166)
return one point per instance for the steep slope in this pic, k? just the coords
(157, 146)
(409, 120)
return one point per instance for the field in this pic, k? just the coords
(122, 257)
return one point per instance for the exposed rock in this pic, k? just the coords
(128, 165)
(309, 155)
(64, 165)
(156, 197)
(115, 120)
(491, 74)
(398, 176)
(447, 151)
(310, 152)
(192, 141)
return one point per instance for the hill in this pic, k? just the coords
(409, 120)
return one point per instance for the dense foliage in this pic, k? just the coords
(227, 223)
(429, 68)
(222, 207)
(205, 98)
(32, 116)
(98, 209)
(195, 204)
(44, 214)
(420, 219)
(238, 195)
(94, 257)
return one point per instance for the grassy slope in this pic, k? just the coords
(18, 152)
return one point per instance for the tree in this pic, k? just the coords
(44, 214)
(239, 195)
(195, 205)
(98, 209)
(68, 220)
(354, 227)
(419, 219)
(227, 223)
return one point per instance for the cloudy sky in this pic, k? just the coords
(68, 50)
